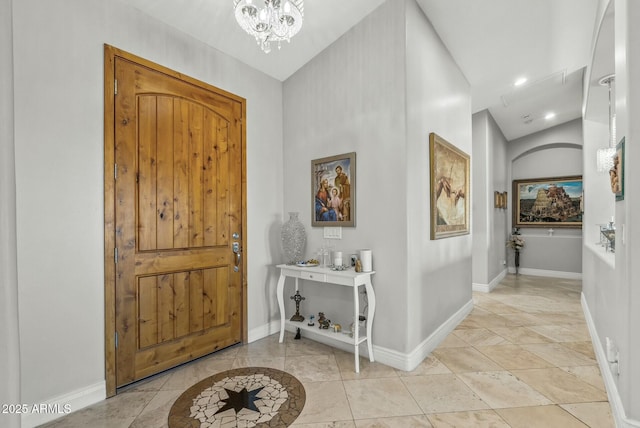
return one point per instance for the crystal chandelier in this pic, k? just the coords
(270, 20)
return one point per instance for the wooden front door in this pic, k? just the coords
(178, 219)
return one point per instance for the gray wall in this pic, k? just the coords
(554, 152)
(58, 58)
(379, 90)
(438, 99)
(10, 350)
(490, 224)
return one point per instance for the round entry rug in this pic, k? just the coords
(245, 397)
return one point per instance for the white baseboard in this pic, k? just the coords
(263, 331)
(57, 407)
(547, 273)
(617, 408)
(486, 288)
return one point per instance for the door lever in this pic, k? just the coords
(236, 249)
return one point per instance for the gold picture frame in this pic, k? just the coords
(548, 202)
(333, 191)
(450, 189)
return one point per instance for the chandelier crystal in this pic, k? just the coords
(270, 20)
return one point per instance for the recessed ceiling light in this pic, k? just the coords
(520, 81)
(550, 116)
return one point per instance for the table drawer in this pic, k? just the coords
(314, 276)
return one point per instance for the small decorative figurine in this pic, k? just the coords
(358, 266)
(323, 323)
(297, 298)
(297, 337)
(337, 328)
(311, 323)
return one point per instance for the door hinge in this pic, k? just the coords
(115, 171)
(116, 339)
(115, 87)
(115, 255)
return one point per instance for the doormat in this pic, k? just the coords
(245, 397)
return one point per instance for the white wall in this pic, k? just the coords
(490, 224)
(554, 152)
(611, 291)
(58, 49)
(627, 67)
(10, 349)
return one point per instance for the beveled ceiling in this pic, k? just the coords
(493, 41)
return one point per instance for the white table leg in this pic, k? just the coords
(356, 310)
(279, 295)
(371, 297)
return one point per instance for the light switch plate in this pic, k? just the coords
(333, 232)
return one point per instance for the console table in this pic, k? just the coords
(346, 278)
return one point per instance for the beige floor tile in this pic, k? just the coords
(156, 413)
(560, 386)
(502, 389)
(513, 357)
(452, 341)
(420, 421)
(313, 368)
(118, 411)
(368, 369)
(374, 398)
(589, 374)
(540, 417)
(185, 376)
(430, 365)
(259, 361)
(495, 306)
(585, 348)
(480, 337)
(559, 355)
(443, 393)
(521, 319)
(325, 402)
(477, 419)
(596, 415)
(267, 347)
(306, 346)
(487, 320)
(562, 333)
(520, 335)
(465, 360)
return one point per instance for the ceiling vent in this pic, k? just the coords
(535, 89)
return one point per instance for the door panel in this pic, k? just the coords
(178, 200)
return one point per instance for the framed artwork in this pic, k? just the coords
(548, 202)
(449, 167)
(333, 191)
(616, 174)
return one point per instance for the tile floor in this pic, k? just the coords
(522, 358)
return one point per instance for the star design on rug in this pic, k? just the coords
(240, 400)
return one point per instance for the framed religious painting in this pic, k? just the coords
(333, 191)
(449, 168)
(548, 202)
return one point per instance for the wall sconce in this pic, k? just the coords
(500, 199)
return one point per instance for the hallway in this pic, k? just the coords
(522, 358)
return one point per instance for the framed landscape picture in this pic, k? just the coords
(449, 177)
(333, 191)
(548, 202)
